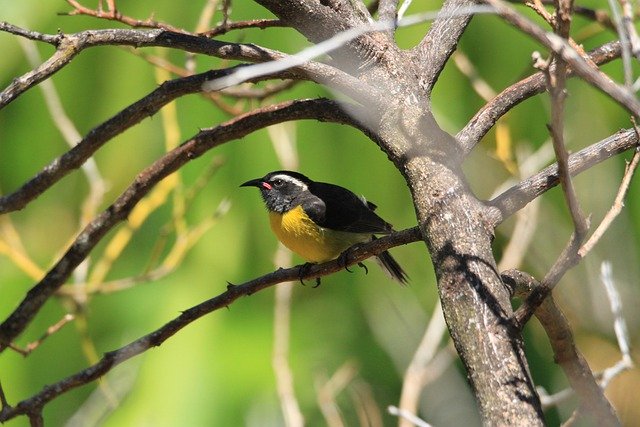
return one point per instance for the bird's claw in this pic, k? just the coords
(303, 271)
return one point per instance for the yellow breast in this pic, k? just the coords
(313, 243)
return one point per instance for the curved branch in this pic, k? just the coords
(160, 335)
(150, 104)
(70, 45)
(98, 136)
(518, 196)
(535, 84)
(318, 109)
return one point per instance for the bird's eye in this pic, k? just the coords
(277, 182)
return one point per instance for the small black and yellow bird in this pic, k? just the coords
(319, 221)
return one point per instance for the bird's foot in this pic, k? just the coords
(344, 260)
(303, 271)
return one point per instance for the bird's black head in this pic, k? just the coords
(281, 190)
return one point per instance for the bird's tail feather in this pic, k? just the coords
(392, 268)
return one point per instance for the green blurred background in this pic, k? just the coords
(218, 370)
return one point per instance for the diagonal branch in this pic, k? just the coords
(489, 114)
(518, 196)
(149, 105)
(566, 353)
(160, 335)
(317, 109)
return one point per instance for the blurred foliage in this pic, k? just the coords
(218, 370)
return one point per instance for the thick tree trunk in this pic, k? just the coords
(454, 224)
(475, 302)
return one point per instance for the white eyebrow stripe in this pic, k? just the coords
(290, 179)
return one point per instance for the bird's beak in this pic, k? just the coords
(253, 183)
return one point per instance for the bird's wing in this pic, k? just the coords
(337, 208)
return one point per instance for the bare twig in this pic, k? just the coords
(619, 326)
(419, 369)
(328, 389)
(284, 143)
(97, 186)
(29, 348)
(69, 45)
(320, 109)
(556, 81)
(575, 250)
(561, 47)
(112, 14)
(242, 25)
(405, 415)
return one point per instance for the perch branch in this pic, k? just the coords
(233, 292)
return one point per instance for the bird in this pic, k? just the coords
(321, 221)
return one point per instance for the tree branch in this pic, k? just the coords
(318, 109)
(516, 197)
(69, 45)
(560, 47)
(113, 358)
(489, 114)
(439, 43)
(566, 354)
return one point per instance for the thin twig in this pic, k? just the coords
(328, 389)
(70, 45)
(97, 185)
(419, 369)
(284, 143)
(488, 115)
(243, 25)
(619, 326)
(29, 348)
(563, 49)
(112, 14)
(408, 416)
(516, 197)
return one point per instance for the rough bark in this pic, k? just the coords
(455, 225)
